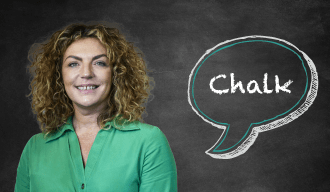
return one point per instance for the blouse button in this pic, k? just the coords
(82, 186)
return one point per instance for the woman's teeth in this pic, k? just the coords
(87, 88)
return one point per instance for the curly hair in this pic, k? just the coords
(130, 88)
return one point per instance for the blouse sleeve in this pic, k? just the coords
(23, 178)
(159, 170)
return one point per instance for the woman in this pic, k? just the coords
(88, 90)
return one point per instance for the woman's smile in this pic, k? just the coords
(85, 89)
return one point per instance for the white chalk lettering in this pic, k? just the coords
(252, 86)
(266, 86)
(284, 87)
(256, 87)
(234, 87)
(215, 90)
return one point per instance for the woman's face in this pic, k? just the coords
(87, 74)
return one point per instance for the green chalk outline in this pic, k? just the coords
(249, 41)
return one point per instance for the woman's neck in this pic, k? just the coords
(85, 123)
(85, 119)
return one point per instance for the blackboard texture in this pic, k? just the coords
(174, 35)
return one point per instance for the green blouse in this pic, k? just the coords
(135, 158)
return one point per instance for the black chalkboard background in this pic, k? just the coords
(173, 35)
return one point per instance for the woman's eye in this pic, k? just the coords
(101, 63)
(73, 64)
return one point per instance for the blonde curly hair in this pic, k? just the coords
(129, 92)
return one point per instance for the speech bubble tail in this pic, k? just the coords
(228, 146)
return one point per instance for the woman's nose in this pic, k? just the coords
(87, 71)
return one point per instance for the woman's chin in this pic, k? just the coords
(89, 105)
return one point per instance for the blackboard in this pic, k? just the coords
(174, 35)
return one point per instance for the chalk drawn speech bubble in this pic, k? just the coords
(252, 131)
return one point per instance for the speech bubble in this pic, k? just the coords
(287, 94)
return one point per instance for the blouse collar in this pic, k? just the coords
(108, 125)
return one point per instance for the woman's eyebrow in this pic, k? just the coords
(80, 59)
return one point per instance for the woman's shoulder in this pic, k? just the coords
(151, 133)
(39, 137)
(36, 139)
(144, 131)
(146, 128)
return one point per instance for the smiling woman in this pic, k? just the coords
(88, 92)
(86, 74)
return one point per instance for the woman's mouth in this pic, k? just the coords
(87, 89)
